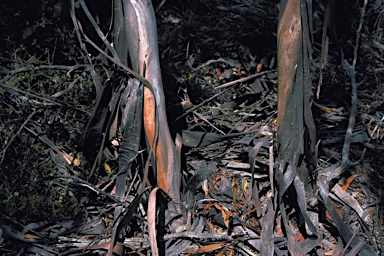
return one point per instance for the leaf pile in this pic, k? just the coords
(222, 99)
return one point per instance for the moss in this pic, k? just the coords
(29, 190)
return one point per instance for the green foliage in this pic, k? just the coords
(30, 190)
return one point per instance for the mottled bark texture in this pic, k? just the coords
(296, 130)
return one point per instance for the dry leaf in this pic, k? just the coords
(225, 213)
(152, 221)
(329, 253)
(206, 248)
(70, 159)
(30, 236)
(259, 67)
(107, 168)
(348, 182)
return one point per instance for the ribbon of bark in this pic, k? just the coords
(143, 49)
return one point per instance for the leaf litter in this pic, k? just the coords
(230, 203)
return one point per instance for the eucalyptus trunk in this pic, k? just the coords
(135, 34)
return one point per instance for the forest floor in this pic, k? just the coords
(218, 63)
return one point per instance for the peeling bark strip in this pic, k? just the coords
(141, 36)
(294, 93)
(289, 38)
(296, 131)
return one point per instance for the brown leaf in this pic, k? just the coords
(225, 213)
(349, 181)
(30, 236)
(206, 248)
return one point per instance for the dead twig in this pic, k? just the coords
(2, 153)
(245, 79)
(351, 70)
(41, 67)
(54, 101)
(224, 86)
